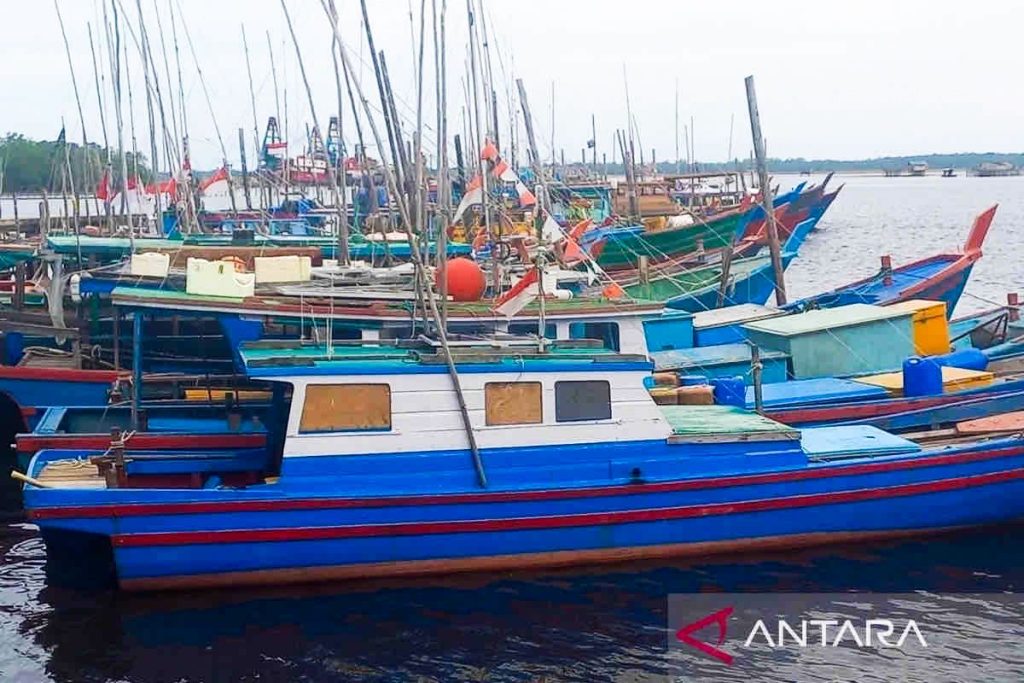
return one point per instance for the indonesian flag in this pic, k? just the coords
(103, 189)
(166, 187)
(573, 253)
(221, 176)
(517, 298)
(279, 150)
(499, 169)
(474, 195)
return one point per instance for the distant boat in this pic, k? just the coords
(917, 169)
(949, 172)
(938, 278)
(995, 169)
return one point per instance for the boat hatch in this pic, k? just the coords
(723, 424)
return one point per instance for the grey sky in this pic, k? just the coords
(834, 79)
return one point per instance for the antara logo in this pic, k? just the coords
(721, 617)
(872, 633)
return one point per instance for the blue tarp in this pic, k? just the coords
(807, 392)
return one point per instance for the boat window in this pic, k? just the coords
(526, 329)
(346, 408)
(587, 400)
(513, 403)
(607, 333)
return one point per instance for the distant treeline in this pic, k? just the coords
(799, 164)
(34, 165)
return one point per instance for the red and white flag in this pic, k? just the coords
(517, 298)
(103, 189)
(499, 169)
(220, 176)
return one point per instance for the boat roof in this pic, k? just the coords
(729, 315)
(825, 319)
(426, 356)
(581, 308)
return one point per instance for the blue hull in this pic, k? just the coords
(332, 528)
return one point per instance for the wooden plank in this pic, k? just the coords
(346, 407)
(513, 403)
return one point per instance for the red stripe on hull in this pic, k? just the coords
(506, 563)
(823, 472)
(174, 538)
(59, 374)
(34, 442)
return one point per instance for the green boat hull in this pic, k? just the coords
(663, 245)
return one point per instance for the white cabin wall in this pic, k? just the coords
(426, 417)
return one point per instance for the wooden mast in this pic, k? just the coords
(766, 194)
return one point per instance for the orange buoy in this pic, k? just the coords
(613, 291)
(466, 281)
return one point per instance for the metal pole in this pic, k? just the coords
(136, 367)
(755, 368)
(245, 168)
(766, 195)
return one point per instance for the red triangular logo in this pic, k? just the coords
(721, 617)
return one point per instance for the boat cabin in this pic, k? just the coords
(399, 398)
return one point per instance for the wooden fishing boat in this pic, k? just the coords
(370, 474)
(116, 248)
(938, 278)
(164, 425)
(619, 249)
(750, 280)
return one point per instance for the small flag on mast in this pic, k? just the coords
(517, 298)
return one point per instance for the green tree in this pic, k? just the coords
(33, 165)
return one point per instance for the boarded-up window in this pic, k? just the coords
(577, 401)
(346, 407)
(513, 403)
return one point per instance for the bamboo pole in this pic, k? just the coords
(343, 233)
(431, 299)
(443, 177)
(340, 171)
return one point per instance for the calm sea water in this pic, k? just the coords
(601, 625)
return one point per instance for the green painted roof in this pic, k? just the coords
(724, 423)
(269, 358)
